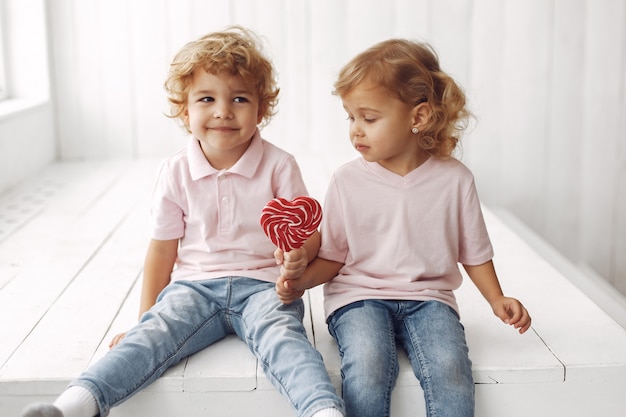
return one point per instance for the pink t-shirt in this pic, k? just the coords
(215, 213)
(401, 238)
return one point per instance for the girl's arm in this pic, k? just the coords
(318, 272)
(508, 309)
(158, 266)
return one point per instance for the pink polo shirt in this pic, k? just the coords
(401, 238)
(215, 213)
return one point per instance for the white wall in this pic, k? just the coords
(546, 79)
(27, 135)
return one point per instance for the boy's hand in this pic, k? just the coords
(512, 312)
(116, 339)
(293, 264)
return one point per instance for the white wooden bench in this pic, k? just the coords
(71, 250)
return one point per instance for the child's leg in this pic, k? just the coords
(185, 319)
(369, 365)
(275, 334)
(434, 339)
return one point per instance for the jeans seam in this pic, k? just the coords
(418, 352)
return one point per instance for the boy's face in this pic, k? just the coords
(222, 113)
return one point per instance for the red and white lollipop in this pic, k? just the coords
(289, 224)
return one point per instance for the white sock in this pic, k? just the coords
(327, 412)
(77, 402)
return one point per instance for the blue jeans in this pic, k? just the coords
(190, 316)
(434, 339)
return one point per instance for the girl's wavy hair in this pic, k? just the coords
(410, 72)
(236, 51)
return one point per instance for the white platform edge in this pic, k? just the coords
(582, 276)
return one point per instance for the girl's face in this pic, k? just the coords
(380, 128)
(222, 113)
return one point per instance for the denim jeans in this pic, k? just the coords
(191, 315)
(434, 339)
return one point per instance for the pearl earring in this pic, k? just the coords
(414, 130)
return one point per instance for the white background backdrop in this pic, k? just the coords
(545, 78)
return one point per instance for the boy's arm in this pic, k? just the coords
(158, 266)
(157, 269)
(508, 309)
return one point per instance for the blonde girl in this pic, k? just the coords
(398, 222)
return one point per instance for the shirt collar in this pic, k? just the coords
(383, 172)
(246, 166)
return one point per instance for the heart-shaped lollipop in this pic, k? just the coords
(289, 224)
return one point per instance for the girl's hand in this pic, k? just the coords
(117, 339)
(512, 312)
(286, 295)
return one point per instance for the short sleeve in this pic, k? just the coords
(334, 245)
(287, 181)
(167, 212)
(474, 244)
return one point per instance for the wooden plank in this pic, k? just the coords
(73, 325)
(53, 249)
(585, 340)
(23, 201)
(549, 400)
(208, 371)
(202, 404)
(28, 252)
(123, 321)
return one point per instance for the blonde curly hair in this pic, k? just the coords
(236, 51)
(410, 72)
